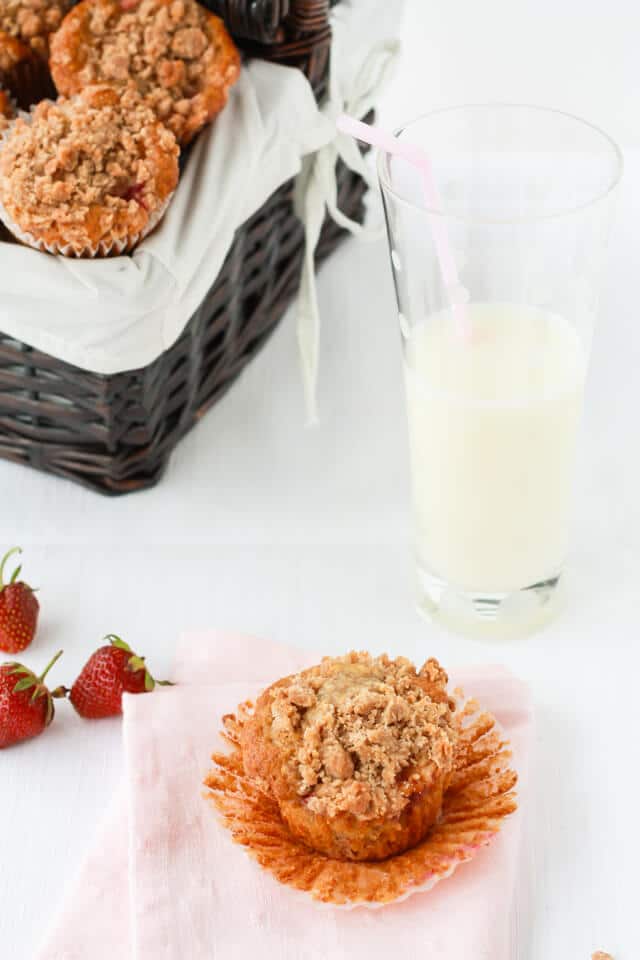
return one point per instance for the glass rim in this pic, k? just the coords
(534, 218)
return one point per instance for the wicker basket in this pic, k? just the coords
(292, 32)
(115, 433)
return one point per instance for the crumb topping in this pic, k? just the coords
(98, 164)
(362, 734)
(178, 56)
(33, 20)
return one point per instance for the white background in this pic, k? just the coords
(262, 526)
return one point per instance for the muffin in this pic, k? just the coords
(25, 27)
(33, 21)
(177, 55)
(358, 752)
(87, 176)
(6, 114)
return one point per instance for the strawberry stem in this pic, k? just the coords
(48, 667)
(8, 554)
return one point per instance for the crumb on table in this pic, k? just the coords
(601, 955)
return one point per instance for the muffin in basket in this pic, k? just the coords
(87, 176)
(25, 28)
(33, 21)
(357, 751)
(177, 55)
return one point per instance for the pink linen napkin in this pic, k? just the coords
(194, 895)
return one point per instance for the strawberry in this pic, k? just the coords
(26, 705)
(109, 672)
(18, 610)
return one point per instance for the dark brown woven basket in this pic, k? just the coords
(281, 31)
(115, 434)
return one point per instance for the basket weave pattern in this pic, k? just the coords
(115, 433)
(292, 32)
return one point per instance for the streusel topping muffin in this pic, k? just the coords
(33, 21)
(88, 175)
(177, 55)
(357, 751)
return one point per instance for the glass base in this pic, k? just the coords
(490, 616)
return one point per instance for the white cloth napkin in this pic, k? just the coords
(114, 315)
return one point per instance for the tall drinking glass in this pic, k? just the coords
(497, 267)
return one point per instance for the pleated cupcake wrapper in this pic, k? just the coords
(480, 796)
(29, 81)
(12, 101)
(102, 249)
(5, 235)
(114, 248)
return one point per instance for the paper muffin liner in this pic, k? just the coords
(480, 796)
(13, 103)
(112, 248)
(5, 236)
(29, 81)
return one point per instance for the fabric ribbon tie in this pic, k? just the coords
(316, 194)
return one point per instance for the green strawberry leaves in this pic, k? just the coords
(115, 641)
(15, 576)
(3, 564)
(18, 668)
(27, 680)
(136, 663)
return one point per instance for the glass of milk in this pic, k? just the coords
(495, 359)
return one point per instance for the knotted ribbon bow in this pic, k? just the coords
(316, 193)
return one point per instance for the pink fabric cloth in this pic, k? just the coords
(194, 895)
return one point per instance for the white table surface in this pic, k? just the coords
(262, 526)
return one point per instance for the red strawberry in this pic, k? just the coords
(108, 673)
(18, 610)
(26, 705)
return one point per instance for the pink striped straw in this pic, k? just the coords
(383, 140)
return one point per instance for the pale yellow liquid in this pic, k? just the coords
(493, 411)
